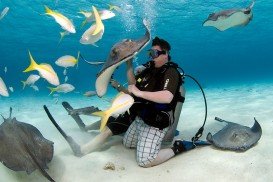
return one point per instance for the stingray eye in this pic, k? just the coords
(211, 15)
(247, 11)
(114, 51)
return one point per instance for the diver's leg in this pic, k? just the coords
(149, 144)
(163, 156)
(115, 126)
(179, 146)
(130, 137)
(97, 142)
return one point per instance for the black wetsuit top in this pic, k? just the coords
(156, 79)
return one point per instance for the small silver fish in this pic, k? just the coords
(66, 79)
(11, 89)
(4, 12)
(65, 71)
(90, 93)
(30, 80)
(35, 88)
(6, 69)
(63, 88)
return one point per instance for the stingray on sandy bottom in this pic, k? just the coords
(235, 136)
(226, 19)
(120, 53)
(23, 148)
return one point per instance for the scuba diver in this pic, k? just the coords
(156, 91)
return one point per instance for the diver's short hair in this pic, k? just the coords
(162, 43)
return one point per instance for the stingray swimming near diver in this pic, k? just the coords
(120, 53)
(235, 136)
(226, 19)
(23, 147)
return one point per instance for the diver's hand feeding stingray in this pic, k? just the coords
(23, 147)
(120, 53)
(235, 136)
(226, 19)
(116, 85)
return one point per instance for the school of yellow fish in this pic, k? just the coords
(92, 35)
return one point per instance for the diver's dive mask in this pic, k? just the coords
(154, 53)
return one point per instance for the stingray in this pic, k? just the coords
(120, 53)
(226, 19)
(235, 136)
(23, 147)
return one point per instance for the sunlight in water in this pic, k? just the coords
(130, 15)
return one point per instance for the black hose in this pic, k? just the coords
(200, 131)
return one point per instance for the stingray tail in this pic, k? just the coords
(42, 170)
(251, 5)
(221, 120)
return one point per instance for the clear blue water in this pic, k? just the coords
(235, 56)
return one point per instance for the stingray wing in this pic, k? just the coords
(36, 162)
(120, 53)
(23, 148)
(42, 148)
(226, 19)
(12, 154)
(236, 137)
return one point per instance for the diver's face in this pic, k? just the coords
(161, 59)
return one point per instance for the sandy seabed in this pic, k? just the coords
(238, 104)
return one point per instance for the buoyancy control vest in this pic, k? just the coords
(152, 113)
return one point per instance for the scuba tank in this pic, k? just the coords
(178, 108)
